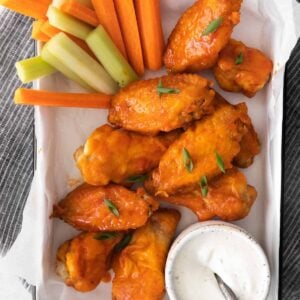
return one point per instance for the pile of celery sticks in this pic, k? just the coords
(62, 54)
(101, 45)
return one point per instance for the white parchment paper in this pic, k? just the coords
(265, 24)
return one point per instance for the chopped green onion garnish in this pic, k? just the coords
(187, 160)
(105, 236)
(137, 179)
(220, 162)
(239, 59)
(123, 243)
(203, 186)
(160, 89)
(111, 207)
(212, 26)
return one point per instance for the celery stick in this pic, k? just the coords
(67, 23)
(33, 68)
(111, 58)
(82, 64)
(59, 65)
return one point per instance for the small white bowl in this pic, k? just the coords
(213, 228)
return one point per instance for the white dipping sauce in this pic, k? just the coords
(225, 250)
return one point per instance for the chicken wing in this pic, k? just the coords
(84, 261)
(109, 208)
(115, 155)
(151, 106)
(139, 269)
(192, 200)
(200, 34)
(219, 134)
(242, 69)
(229, 198)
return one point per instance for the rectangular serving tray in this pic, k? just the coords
(60, 131)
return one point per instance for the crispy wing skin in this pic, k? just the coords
(249, 75)
(84, 261)
(114, 155)
(229, 198)
(139, 269)
(188, 48)
(192, 200)
(85, 208)
(250, 147)
(221, 132)
(140, 108)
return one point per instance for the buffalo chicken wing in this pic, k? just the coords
(162, 104)
(115, 155)
(139, 269)
(200, 34)
(84, 261)
(242, 69)
(228, 197)
(217, 135)
(108, 208)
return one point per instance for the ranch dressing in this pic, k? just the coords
(233, 255)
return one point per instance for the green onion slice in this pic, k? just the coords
(239, 59)
(160, 89)
(137, 179)
(123, 243)
(187, 160)
(111, 206)
(105, 236)
(204, 186)
(220, 162)
(212, 26)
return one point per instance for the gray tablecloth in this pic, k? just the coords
(16, 151)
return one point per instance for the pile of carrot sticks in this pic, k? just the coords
(134, 26)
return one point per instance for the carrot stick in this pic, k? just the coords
(105, 10)
(128, 22)
(149, 20)
(80, 12)
(87, 3)
(49, 30)
(30, 8)
(37, 34)
(46, 98)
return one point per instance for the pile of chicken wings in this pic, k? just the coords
(172, 139)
